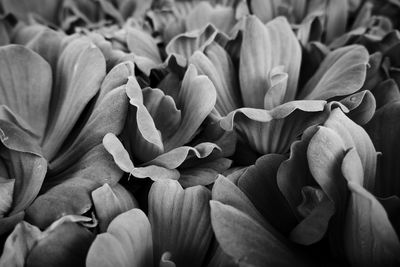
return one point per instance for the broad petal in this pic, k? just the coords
(127, 242)
(196, 100)
(265, 47)
(69, 192)
(108, 117)
(352, 135)
(226, 192)
(180, 221)
(110, 202)
(259, 183)
(80, 65)
(341, 73)
(370, 239)
(142, 44)
(25, 85)
(246, 241)
(216, 64)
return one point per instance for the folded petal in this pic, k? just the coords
(265, 47)
(127, 242)
(180, 221)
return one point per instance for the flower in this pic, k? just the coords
(161, 127)
(271, 102)
(330, 197)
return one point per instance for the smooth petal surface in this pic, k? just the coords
(341, 73)
(18, 245)
(216, 64)
(248, 242)
(108, 117)
(259, 183)
(110, 202)
(127, 243)
(80, 71)
(184, 45)
(25, 164)
(196, 99)
(142, 44)
(69, 192)
(180, 221)
(25, 85)
(265, 47)
(369, 236)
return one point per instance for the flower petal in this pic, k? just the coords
(370, 239)
(180, 221)
(69, 192)
(21, 88)
(110, 202)
(197, 98)
(80, 65)
(263, 48)
(242, 238)
(127, 242)
(341, 73)
(216, 64)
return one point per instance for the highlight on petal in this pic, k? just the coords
(80, 65)
(196, 99)
(265, 47)
(180, 221)
(127, 242)
(110, 202)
